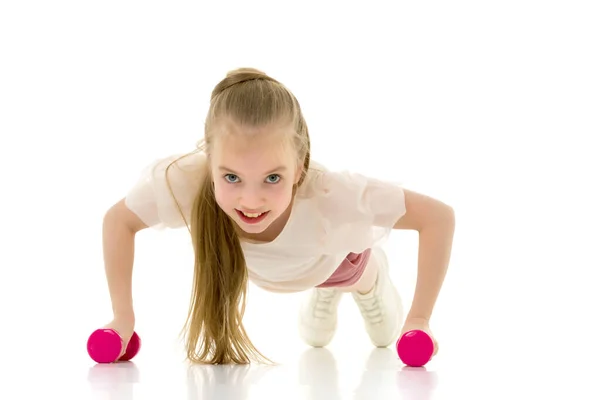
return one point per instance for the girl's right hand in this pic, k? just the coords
(124, 328)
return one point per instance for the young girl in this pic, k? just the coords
(259, 208)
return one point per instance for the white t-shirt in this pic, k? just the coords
(333, 214)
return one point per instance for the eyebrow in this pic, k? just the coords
(280, 168)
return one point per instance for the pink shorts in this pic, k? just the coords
(349, 271)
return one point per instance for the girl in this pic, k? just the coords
(259, 209)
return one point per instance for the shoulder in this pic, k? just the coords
(312, 181)
(324, 182)
(178, 175)
(347, 195)
(167, 187)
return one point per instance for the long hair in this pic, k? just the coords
(214, 330)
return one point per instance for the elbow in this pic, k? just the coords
(450, 214)
(447, 216)
(443, 218)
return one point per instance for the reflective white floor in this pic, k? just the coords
(317, 374)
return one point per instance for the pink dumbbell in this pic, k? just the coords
(105, 345)
(415, 348)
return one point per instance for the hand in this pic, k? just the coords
(124, 326)
(421, 324)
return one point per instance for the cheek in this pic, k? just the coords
(279, 196)
(224, 194)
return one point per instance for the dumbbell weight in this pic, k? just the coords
(415, 348)
(105, 345)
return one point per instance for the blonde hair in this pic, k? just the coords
(214, 330)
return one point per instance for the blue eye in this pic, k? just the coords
(276, 176)
(230, 178)
(229, 175)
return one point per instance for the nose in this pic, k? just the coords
(252, 199)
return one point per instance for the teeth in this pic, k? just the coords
(252, 215)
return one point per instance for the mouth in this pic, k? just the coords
(252, 218)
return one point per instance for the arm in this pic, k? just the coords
(434, 221)
(118, 235)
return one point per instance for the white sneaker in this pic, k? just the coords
(381, 308)
(318, 316)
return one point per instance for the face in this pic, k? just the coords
(253, 170)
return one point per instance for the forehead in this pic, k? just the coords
(252, 150)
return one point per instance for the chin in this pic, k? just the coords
(252, 229)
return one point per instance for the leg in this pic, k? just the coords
(318, 312)
(366, 282)
(376, 297)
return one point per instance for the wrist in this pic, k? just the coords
(414, 317)
(126, 315)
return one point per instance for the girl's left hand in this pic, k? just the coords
(423, 325)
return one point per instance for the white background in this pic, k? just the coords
(492, 107)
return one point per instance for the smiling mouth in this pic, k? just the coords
(251, 217)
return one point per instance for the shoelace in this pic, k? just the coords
(322, 307)
(371, 309)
